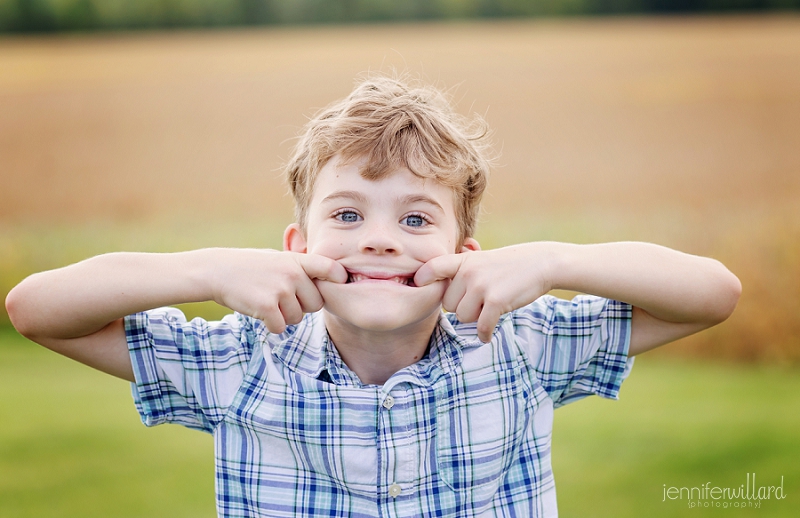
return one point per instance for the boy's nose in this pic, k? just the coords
(378, 239)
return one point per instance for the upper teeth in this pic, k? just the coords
(355, 277)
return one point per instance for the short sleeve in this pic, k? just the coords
(577, 348)
(186, 372)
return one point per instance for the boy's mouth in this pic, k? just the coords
(404, 279)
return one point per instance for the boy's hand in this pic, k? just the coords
(275, 287)
(673, 294)
(486, 284)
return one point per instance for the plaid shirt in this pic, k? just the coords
(463, 432)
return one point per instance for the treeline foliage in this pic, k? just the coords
(60, 15)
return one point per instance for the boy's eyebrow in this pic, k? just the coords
(350, 195)
(405, 200)
(423, 198)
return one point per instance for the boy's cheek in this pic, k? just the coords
(335, 251)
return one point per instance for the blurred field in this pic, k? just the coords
(71, 443)
(681, 131)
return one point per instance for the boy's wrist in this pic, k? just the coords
(201, 270)
(556, 261)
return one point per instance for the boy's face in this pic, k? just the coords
(381, 231)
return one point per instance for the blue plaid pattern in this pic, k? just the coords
(463, 432)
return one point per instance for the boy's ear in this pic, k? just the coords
(294, 240)
(470, 245)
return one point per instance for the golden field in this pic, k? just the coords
(680, 131)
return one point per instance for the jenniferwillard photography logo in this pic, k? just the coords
(749, 494)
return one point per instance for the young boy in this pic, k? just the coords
(339, 388)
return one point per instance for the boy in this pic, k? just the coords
(339, 387)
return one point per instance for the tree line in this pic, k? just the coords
(83, 15)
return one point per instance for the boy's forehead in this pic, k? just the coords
(345, 180)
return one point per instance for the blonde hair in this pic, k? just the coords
(391, 124)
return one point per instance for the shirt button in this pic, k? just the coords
(387, 404)
(394, 490)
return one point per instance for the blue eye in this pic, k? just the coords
(348, 216)
(415, 221)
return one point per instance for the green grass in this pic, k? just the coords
(680, 424)
(71, 443)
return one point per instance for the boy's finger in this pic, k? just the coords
(487, 321)
(453, 295)
(291, 311)
(469, 309)
(273, 319)
(309, 297)
(323, 268)
(439, 268)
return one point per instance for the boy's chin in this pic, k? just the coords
(371, 309)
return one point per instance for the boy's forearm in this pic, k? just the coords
(82, 298)
(669, 285)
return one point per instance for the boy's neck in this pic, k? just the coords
(375, 355)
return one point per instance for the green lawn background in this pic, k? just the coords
(71, 443)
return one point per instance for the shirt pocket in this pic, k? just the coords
(328, 434)
(480, 421)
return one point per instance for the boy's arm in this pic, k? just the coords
(673, 294)
(77, 310)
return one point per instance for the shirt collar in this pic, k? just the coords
(300, 347)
